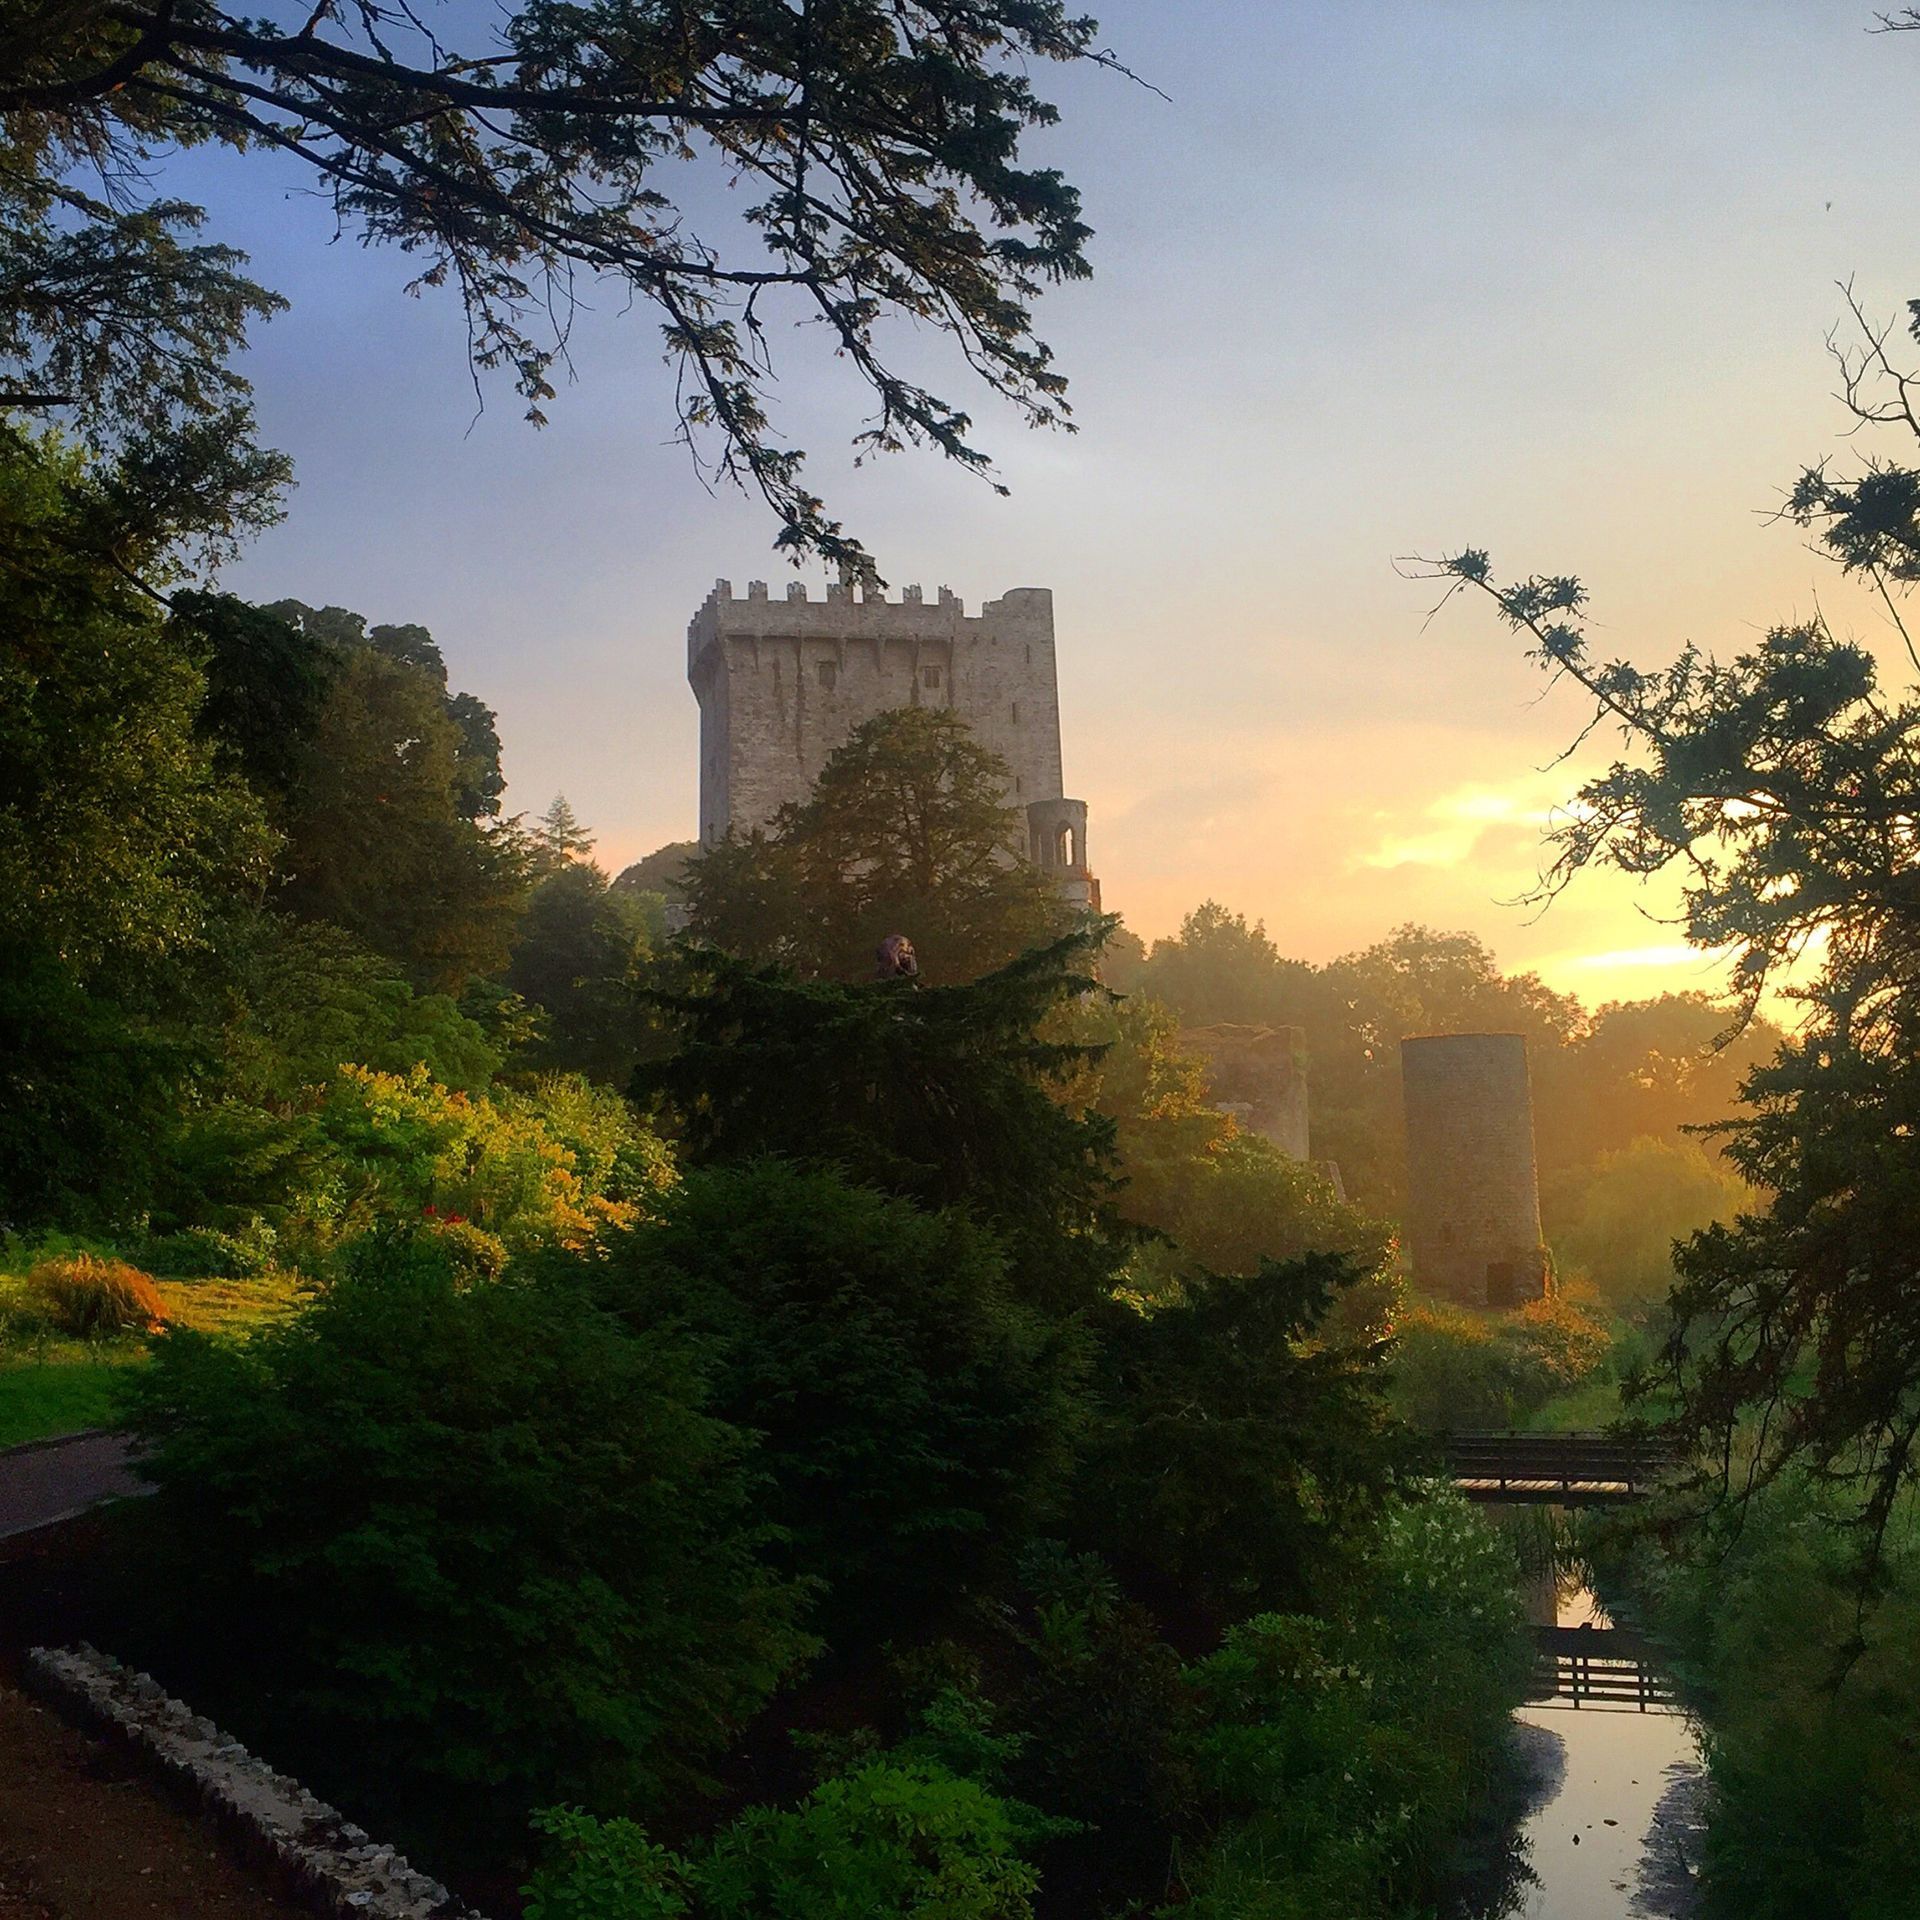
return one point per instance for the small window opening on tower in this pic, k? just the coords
(1029, 653)
(1019, 785)
(829, 672)
(1063, 847)
(1016, 713)
(930, 676)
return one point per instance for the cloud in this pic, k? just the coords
(1458, 827)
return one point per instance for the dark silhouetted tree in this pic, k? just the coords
(519, 160)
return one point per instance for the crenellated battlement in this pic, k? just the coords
(847, 614)
(837, 594)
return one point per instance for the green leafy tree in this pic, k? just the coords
(1217, 968)
(116, 828)
(470, 1550)
(266, 686)
(1639, 1202)
(1339, 1755)
(579, 955)
(478, 782)
(383, 841)
(660, 872)
(1236, 1458)
(122, 843)
(1219, 1200)
(520, 161)
(907, 830)
(306, 999)
(1642, 1069)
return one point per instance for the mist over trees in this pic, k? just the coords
(1603, 1077)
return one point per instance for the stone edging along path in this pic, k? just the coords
(325, 1861)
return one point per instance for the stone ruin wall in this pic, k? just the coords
(1473, 1196)
(1257, 1074)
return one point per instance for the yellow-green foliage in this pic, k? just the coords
(1224, 1198)
(559, 1165)
(88, 1296)
(1454, 1367)
(1636, 1203)
(235, 1308)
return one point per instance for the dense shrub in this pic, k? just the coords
(1812, 1698)
(207, 1253)
(471, 1551)
(87, 1296)
(888, 1841)
(1340, 1755)
(913, 1841)
(1457, 1368)
(557, 1164)
(1234, 1454)
(912, 1413)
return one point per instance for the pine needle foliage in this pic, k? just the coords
(940, 1095)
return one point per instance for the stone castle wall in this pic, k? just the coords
(1473, 1197)
(783, 682)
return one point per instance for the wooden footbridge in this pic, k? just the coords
(1557, 1469)
(1608, 1668)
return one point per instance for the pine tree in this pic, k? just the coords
(560, 838)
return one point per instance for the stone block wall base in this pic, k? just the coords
(319, 1856)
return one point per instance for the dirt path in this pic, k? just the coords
(83, 1836)
(49, 1480)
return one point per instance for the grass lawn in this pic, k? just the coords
(62, 1391)
(51, 1386)
(1584, 1410)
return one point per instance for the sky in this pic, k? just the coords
(1369, 282)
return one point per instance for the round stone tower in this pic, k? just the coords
(1473, 1195)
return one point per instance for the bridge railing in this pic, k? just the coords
(1591, 1463)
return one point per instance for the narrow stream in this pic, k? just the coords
(1614, 1782)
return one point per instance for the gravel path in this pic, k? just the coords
(49, 1480)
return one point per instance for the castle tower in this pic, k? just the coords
(782, 683)
(1473, 1196)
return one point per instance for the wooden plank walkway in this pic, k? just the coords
(1564, 1469)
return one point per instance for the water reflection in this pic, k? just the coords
(1609, 1822)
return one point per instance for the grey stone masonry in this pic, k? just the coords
(783, 681)
(332, 1866)
(1473, 1196)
